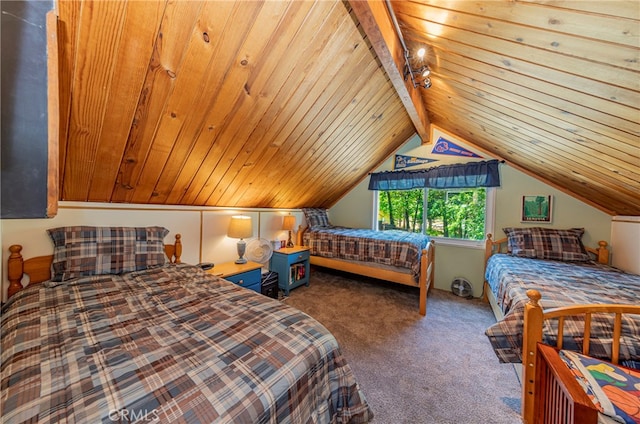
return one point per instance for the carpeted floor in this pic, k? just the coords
(413, 369)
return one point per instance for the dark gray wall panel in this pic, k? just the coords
(24, 109)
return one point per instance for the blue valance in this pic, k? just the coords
(463, 175)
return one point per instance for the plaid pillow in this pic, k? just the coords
(547, 243)
(80, 251)
(520, 243)
(316, 217)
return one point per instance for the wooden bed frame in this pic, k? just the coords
(526, 373)
(427, 269)
(601, 254)
(550, 392)
(39, 268)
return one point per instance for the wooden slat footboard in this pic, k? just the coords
(534, 391)
(559, 399)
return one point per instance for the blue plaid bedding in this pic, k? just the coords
(169, 344)
(392, 247)
(561, 284)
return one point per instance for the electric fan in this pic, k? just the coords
(259, 250)
(461, 287)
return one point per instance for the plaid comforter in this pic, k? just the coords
(562, 284)
(392, 247)
(169, 344)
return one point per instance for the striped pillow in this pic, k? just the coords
(81, 251)
(316, 217)
(547, 243)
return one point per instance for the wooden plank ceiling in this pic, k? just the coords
(291, 103)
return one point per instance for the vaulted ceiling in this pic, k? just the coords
(292, 103)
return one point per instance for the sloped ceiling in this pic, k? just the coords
(291, 104)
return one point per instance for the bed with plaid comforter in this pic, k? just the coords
(562, 284)
(169, 344)
(391, 247)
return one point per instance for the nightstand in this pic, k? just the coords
(292, 266)
(247, 275)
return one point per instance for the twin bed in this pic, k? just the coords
(118, 333)
(396, 256)
(553, 264)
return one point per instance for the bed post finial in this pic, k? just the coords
(178, 251)
(532, 335)
(15, 270)
(488, 251)
(488, 244)
(300, 236)
(603, 252)
(534, 297)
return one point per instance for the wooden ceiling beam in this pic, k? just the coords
(377, 25)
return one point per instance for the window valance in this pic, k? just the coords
(464, 175)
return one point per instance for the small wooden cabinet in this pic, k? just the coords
(247, 275)
(292, 266)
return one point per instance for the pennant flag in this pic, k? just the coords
(403, 161)
(445, 147)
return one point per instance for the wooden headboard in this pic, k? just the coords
(601, 252)
(39, 268)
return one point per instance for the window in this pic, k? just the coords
(462, 216)
(453, 203)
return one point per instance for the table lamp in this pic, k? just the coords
(240, 227)
(288, 224)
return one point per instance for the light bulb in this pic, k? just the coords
(421, 52)
(426, 72)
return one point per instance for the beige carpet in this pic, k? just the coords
(413, 369)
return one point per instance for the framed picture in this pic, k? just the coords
(536, 209)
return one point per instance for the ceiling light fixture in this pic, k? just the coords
(419, 76)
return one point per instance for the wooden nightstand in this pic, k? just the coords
(246, 275)
(292, 266)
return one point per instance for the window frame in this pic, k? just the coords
(489, 220)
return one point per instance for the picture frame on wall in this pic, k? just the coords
(536, 209)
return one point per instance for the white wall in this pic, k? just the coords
(355, 210)
(625, 242)
(203, 230)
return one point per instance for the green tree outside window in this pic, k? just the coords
(455, 213)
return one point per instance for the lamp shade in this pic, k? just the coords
(240, 227)
(289, 222)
